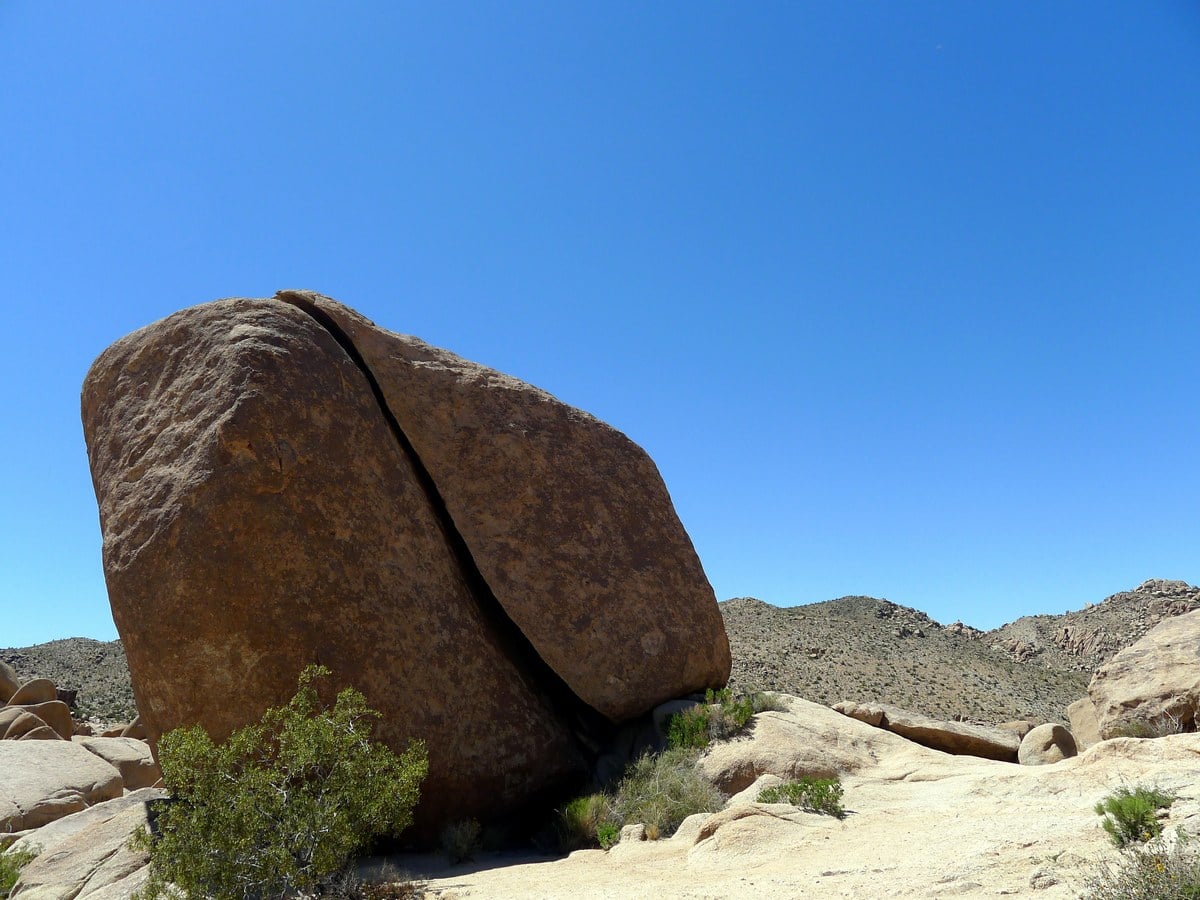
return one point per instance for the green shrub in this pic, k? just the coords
(280, 806)
(608, 834)
(587, 822)
(1157, 870)
(460, 841)
(1131, 816)
(660, 791)
(819, 795)
(720, 716)
(11, 864)
(1151, 727)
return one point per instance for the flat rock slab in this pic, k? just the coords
(41, 781)
(95, 859)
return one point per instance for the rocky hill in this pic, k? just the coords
(95, 669)
(1083, 640)
(860, 648)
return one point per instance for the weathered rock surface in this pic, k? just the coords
(263, 508)
(47, 837)
(96, 858)
(1153, 683)
(568, 521)
(129, 756)
(54, 713)
(958, 738)
(41, 781)
(1046, 744)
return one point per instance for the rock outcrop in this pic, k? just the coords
(959, 738)
(281, 482)
(1153, 686)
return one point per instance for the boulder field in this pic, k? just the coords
(282, 482)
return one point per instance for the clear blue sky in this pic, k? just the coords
(902, 298)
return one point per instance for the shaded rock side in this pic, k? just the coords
(568, 521)
(1153, 684)
(258, 515)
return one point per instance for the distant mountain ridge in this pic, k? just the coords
(852, 648)
(865, 649)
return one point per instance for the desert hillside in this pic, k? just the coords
(860, 648)
(97, 670)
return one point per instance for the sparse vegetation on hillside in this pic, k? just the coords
(97, 670)
(280, 806)
(867, 650)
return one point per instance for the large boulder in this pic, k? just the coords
(41, 781)
(271, 496)
(1152, 686)
(1046, 744)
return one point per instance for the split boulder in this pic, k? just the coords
(280, 483)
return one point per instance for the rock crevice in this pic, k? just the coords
(587, 722)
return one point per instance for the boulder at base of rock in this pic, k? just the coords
(1152, 687)
(1084, 728)
(46, 838)
(1046, 744)
(129, 756)
(41, 781)
(18, 722)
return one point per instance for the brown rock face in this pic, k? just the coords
(263, 508)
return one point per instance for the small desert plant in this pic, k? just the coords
(1131, 816)
(721, 715)
(11, 864)
(819, 795)
(1161, 869)
(588, 822)
(660, 791)
(282, 805)
(460, 841)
